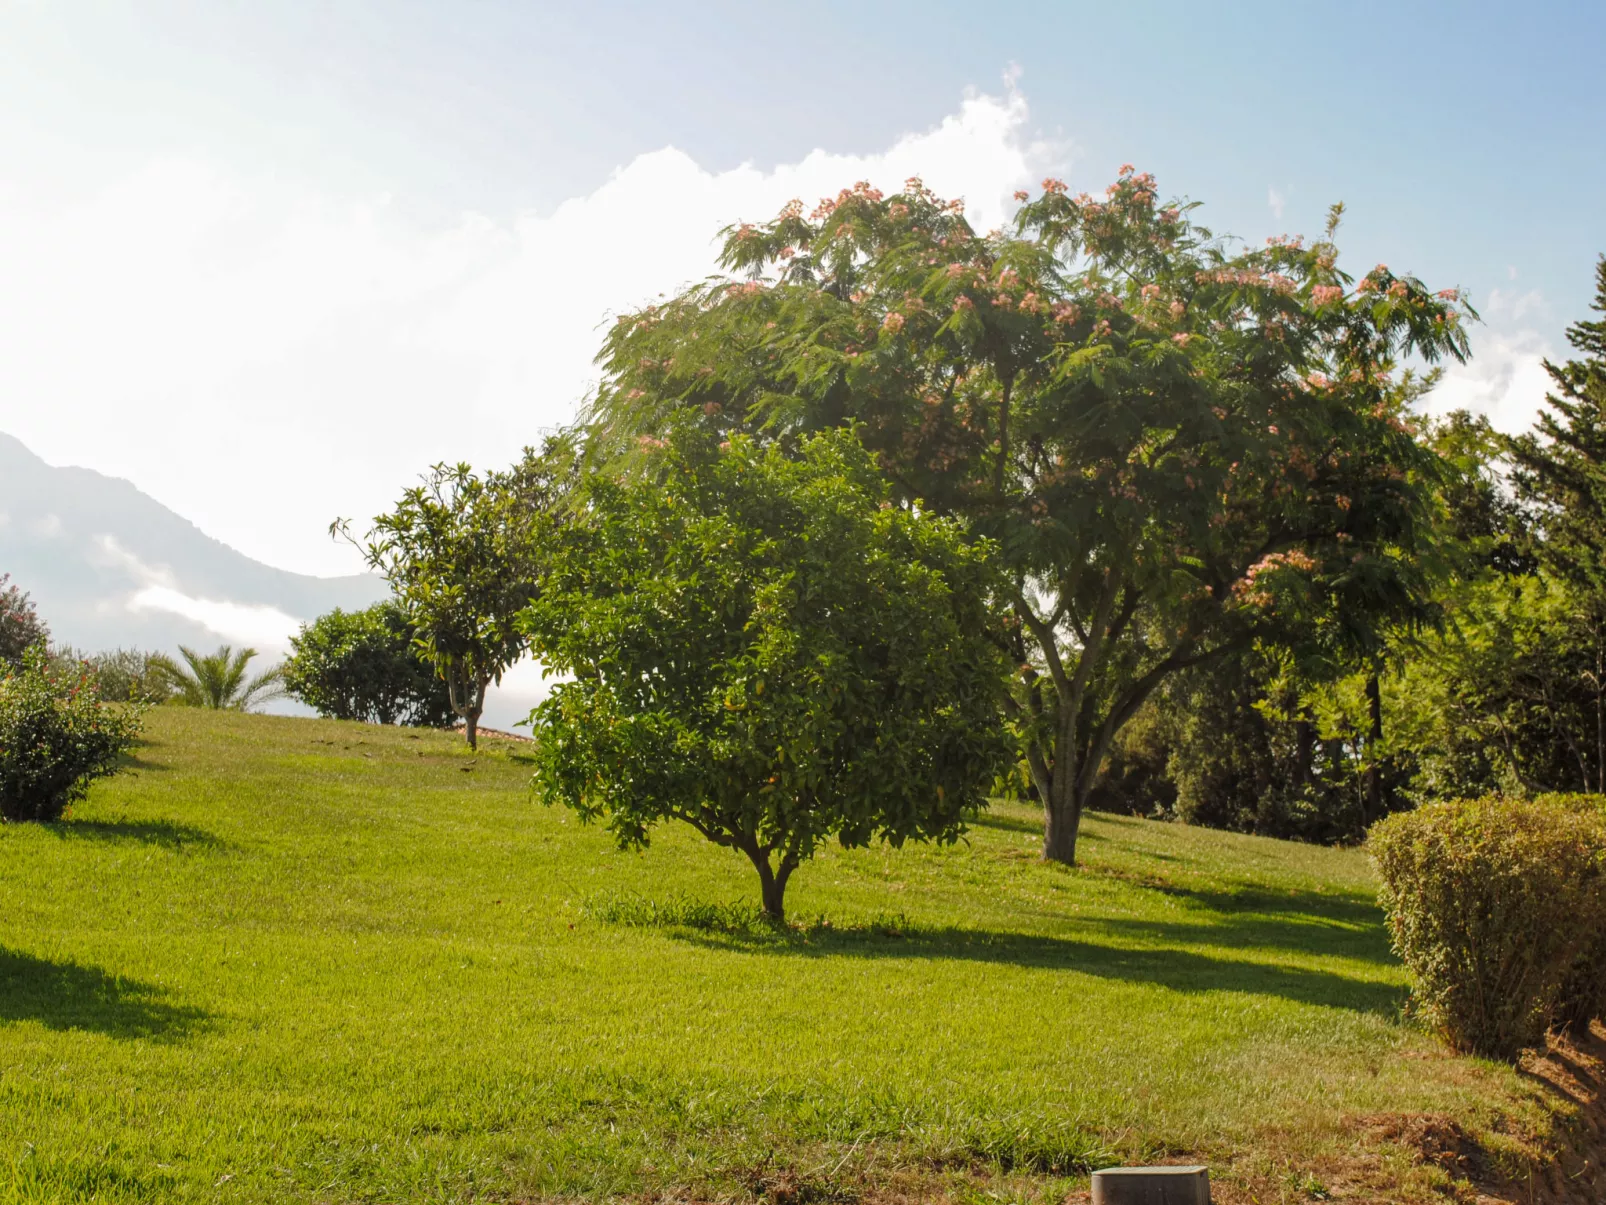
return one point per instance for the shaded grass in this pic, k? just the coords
(314, 961)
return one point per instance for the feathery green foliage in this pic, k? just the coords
(1179, 445)
(218, 680)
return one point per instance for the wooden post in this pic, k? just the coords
(1152, 1186)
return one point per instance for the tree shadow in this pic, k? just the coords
(1179, 970)
(140, 764)
(164, 833)
(1008, 824)
(68, 995)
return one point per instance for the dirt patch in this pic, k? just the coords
(1396, 1158)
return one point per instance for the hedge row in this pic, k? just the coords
(1498, 908)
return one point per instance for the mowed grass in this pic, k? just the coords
(300, 960)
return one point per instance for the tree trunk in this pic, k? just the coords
(1305, 751)
(771, 879)
(1062, 803)
(1374, 739)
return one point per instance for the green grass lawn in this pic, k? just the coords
(302, 960)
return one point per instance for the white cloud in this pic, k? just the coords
(1505, 380)
(262, 356)
(1509, 307)
(266, 628)
(1276, 201)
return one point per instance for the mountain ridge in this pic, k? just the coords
(109, 566)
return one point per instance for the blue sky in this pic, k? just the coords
(324, 175)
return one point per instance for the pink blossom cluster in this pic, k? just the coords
(892, 323)
(1325, 294)
(1066, 312)
(1051, 185)
(1238, 276)
(1246, 588)
(1022, 195)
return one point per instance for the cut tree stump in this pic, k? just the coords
(1151, 1186)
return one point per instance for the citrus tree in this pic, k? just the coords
(766, 649)
(1176, 442)
(457, 553)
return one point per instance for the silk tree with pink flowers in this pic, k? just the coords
(1181, 444)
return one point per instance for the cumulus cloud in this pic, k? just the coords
(1506, 380)
(262, 356)
(1276, 202)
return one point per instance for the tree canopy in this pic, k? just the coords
(764, 648)
(1178, 444)
(460, 551)
(364, 665)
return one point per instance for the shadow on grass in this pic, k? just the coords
(1180, 970)
(164, 833)
(67, 995)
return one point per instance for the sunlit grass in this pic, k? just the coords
(299, 960)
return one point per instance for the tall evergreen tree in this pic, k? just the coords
(1560, 469)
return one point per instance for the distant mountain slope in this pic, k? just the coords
(108, 566)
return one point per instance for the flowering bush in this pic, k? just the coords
(20, 625)
(56, 737)
(1492, 903)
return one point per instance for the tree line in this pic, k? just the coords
(1105, 510)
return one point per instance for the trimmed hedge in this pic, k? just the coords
(1498, 908)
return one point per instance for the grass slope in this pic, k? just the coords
(301, 960)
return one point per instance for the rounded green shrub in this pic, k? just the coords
(56, 737)
(1582, 998)
(1491, 903)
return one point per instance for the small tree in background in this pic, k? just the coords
(56, 736)
(769, 651)
(218, 680)
(20, 626)
(365, 665)
(461, 553)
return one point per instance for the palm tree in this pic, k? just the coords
(217, 680)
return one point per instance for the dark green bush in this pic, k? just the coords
(1491, 903)
(56, 737)
(365, 665)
